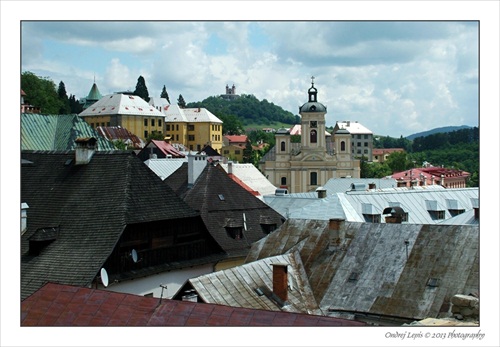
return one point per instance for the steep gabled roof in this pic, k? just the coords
(105, 308)
(220, 201)
(46, 132)
(163, 149)
(251, 176)
(397, 270)
(90, 205)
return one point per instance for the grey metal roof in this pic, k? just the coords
(236, 287)
(251, 176)
(342, 185)
(380, 269)
(462, 219)
(166, 166)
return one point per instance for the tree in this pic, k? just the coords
(247, 153)
(63, 97)
(397, 161)
(141, 89)
(41, 92)
(181, 102)
(164, 94)
(74, 105)
(155, 135)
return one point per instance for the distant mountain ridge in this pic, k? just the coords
(446, 129)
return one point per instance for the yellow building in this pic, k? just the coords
(127, 111)
(193, 127)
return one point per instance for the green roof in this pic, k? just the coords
(94, 93)
(48, 132)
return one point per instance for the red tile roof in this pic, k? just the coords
(63, 305)
(236, 138)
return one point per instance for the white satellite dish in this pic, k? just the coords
(104, 277)
(135, 257)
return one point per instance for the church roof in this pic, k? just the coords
(94, 93)
(121, 104)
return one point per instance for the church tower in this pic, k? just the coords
(313, 125)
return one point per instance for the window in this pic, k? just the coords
(358, 136)
(313, 178)
(168, 127)
(152, 122)
(145, 133)
(145, 122)
(314, 136)
(159, 122)
(268, 228)
(177, 127)
(190, 137)
(359, 144)
(283, 181)
(177, 137)
(108, 124)
(365, 151)
(366, 144)
(342, 146)
(372, 218)
(282, 146)
(226, 151)
(237, 151)
(190, 127)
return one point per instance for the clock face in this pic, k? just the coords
(313, 124)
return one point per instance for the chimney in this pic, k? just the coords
(280, 281)
(85, 149)
(336, 230)
(372, 185)
(229, 167)
(24, 217)
(321, 192)
(196, 164)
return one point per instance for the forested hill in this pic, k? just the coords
(437, 130)
(248, 109)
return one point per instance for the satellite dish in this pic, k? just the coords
(104, 277)
(135, 257)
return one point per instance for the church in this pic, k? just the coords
(305, 166)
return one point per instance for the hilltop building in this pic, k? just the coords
(230, 93)
(362, 138)
(309, 166)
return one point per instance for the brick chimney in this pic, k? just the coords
(372, 185)
(280, 281)
(196, 164)
(336, 231)
(85, 149)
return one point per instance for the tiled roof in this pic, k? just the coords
(429, 173)
(219, 199)
(236, 138)
(91, 205)
(63, 305)
(45, 132)
(121, 104)
(380, 269)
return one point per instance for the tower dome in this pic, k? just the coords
(312, 105)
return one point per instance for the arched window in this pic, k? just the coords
(283, 181)
(314, 136)
(282, 146)
(342, 146)
(314, 178)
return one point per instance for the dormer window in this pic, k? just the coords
(41, 239)
(234, 228)
(267, 225)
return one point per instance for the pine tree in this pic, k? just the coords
(164, 94)
(64, 107)
(181, 102)
(141, 89)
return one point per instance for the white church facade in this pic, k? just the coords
(308, 166)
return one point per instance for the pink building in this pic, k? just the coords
(448, 178)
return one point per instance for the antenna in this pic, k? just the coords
(104, 277)
(163, 286)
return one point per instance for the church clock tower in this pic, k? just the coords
(313, 125)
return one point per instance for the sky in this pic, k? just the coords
(394, 77)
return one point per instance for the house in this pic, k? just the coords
(157, 149)
(306, 167)
(105, 220)
(117, 133)
(233, 215)
(382, 274)
(127, 111)
(380, 154)
(194, 128)
(251, 176)
(361, 137)
(98, 308)
(448, 178)
(235, 140)
(47, 132)
(26, 107)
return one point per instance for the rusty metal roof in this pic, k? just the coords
(381, 269)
